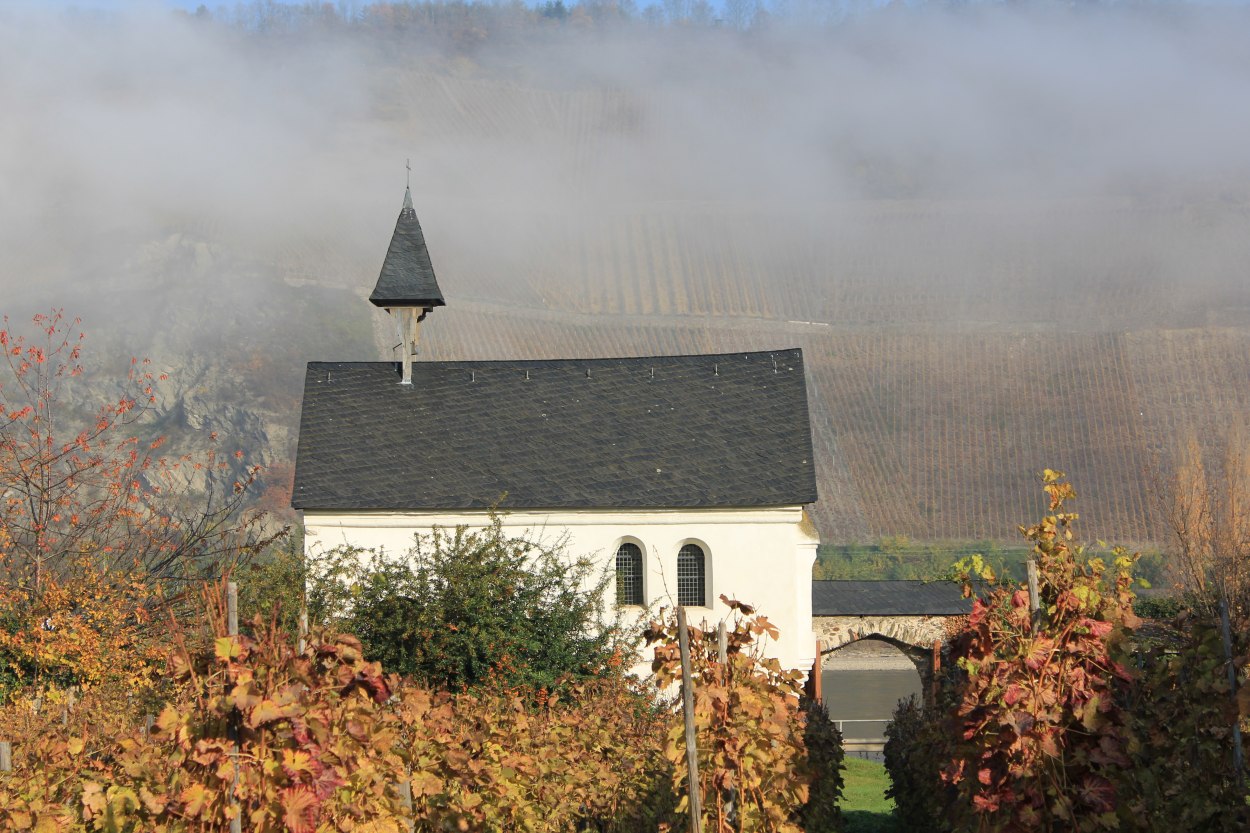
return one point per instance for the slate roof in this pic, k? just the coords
(407, 277)
(888, 598)
(664, 432)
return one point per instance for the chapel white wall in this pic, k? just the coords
(760, 556)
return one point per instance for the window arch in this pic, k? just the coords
(628, 574)
(691, 576)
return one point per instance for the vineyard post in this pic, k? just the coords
(303, 604)
(232, 608)
(722, 647)
(1035, 603)
(232, 629)
(818, 672)
(303, 629)
(1238, 759)
(405, 798)
(6, 756)
(936, 671)
(687, 702)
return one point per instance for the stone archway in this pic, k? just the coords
(861, 683)
(914, 636)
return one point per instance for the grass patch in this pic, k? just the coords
(896, 557)
(864, 804)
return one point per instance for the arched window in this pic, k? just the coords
(690, 577)
(628, 574)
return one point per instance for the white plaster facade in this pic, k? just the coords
(760, 556)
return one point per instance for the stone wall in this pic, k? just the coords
(914, 631)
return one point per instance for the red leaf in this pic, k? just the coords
(1039, 653)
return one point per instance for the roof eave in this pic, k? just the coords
(407, 302)
(504, 510)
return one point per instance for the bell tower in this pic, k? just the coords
(406, 287)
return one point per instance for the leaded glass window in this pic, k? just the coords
(628, 575)
(691, 591)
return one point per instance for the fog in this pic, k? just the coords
(121, 128)
(217, 193)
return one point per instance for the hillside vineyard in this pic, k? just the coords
(954, 348)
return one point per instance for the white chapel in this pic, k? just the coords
(688, 476)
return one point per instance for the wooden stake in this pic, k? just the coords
(303, 629)
(232, 608)
(405, 798)
(722, 644)
(936, 671)
(687, 702)
(232, 628)
(1238, 759)
(818, 673)
(1035, 603)
(6, 756)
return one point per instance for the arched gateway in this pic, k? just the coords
(914, 616)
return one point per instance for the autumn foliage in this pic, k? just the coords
(130, 707)
(1063, 719)
(324, 740)
(1038, 710)
(754, 764)
(72, 632)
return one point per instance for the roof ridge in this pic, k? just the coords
(515, 362)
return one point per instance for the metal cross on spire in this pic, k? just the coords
(408, 176)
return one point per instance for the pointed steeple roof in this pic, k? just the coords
(407, 277)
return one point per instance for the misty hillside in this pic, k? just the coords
(994, 262)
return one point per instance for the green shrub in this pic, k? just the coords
(469, 608)
(1159, 608)
(916, 751)
(821, 813)
(1181, 775)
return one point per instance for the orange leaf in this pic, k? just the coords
(267, 712)
(299, 810)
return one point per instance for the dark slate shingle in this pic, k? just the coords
(407, 276)
(888, 598)
(672, 431)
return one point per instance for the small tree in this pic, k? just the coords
(94, 520)
(1208, 514)
(78, 482)
(466, 608)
